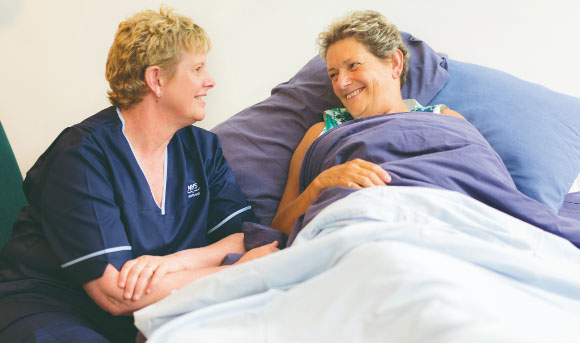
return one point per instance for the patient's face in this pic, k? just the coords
(364, 83)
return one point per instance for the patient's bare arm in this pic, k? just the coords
(352, 174)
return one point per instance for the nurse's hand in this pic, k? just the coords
(259, 252)
(141, 275)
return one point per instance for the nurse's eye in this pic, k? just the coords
(199, 68)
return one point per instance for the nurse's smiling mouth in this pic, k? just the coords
(200, 98)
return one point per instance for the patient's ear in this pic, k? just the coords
(396, 60)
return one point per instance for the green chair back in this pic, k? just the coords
(12, 197)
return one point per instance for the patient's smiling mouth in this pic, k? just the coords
(354, 93)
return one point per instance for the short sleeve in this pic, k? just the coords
(228, 207)
(79, 215)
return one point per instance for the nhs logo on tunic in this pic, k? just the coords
(192, 190)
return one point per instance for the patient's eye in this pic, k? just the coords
(353, 65)
(332, 75)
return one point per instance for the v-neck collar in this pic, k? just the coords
(162, 207)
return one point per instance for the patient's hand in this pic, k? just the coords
(259, 252)
(144, 273)
(356, 174)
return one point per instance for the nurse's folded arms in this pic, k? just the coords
(129, 204)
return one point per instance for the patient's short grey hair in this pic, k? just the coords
(372, 29)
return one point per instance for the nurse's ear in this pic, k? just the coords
(153, 79)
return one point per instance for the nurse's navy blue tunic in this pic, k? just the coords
(91, 205)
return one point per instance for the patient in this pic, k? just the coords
(367, 62)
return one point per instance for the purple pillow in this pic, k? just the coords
(259, 141)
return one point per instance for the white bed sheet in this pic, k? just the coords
(389, 264)
(576, 185)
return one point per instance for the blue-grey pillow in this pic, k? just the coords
(536, 131)
(259, 141)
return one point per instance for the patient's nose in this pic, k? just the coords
(343, 80)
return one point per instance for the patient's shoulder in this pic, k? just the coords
(315, 127)
(450, 112)
(313, 132)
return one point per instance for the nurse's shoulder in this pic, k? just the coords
(80, 143)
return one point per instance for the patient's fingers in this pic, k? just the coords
(376, 170)
(356, 174)
(364, 174)
(367, 181)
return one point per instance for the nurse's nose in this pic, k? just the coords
(209, 82)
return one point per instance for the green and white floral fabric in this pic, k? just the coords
(337, 116)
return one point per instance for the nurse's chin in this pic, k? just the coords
(196, 117)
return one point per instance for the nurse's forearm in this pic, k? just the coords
(167, 285)
(107, 294)
(212, 255)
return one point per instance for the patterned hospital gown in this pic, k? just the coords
(337, 116)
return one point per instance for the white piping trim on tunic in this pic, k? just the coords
(98, 253)
(162, 207)
(228, 218)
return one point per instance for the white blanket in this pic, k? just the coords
(389, 264)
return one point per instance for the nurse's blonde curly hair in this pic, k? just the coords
(373, 30)
(149, 38)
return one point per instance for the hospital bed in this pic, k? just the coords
(402, 263)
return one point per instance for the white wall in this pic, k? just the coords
(53, 53)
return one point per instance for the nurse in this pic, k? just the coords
(128, 205)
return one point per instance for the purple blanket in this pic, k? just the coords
(571, 206)
(428, 150)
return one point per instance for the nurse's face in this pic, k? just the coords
(363, 82)
(183, 94)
